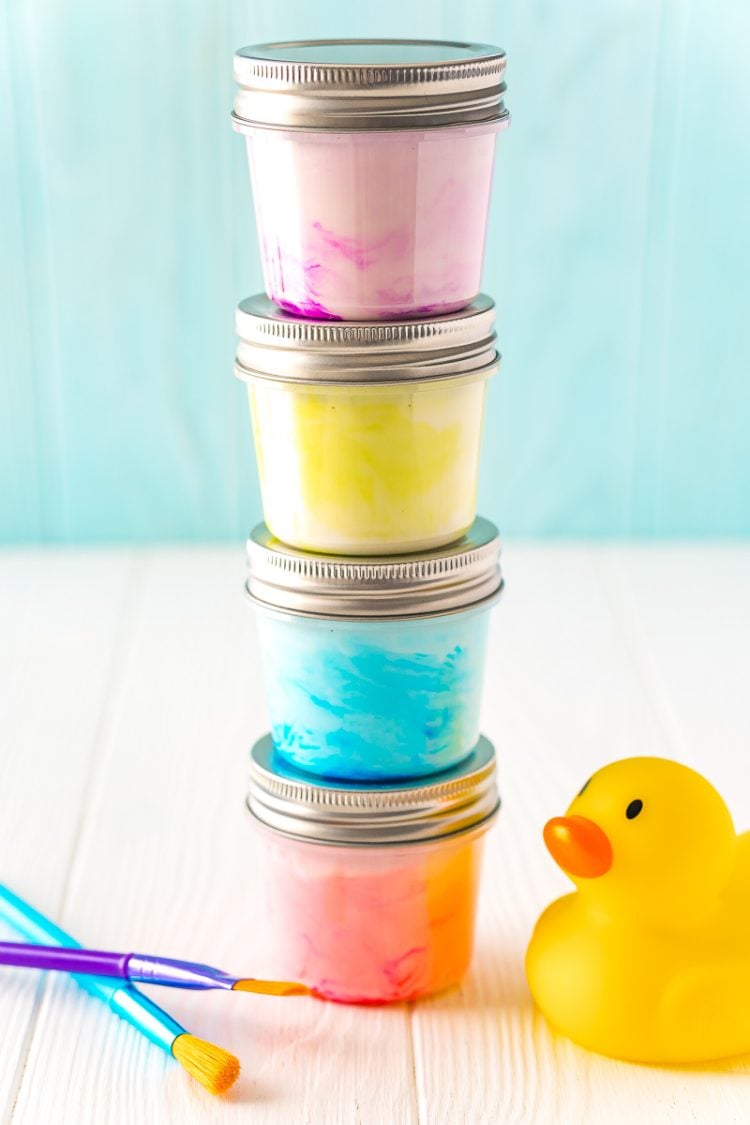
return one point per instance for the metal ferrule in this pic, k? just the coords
(143, 969)
(347, 85)
(458, 801)
(464, 575)
(275, 345)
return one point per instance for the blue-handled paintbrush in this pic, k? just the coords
(214, 1067)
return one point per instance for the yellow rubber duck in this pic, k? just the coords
(649, 958)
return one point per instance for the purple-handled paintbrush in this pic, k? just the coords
(139, 968)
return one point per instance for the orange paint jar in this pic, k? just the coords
(371, 892)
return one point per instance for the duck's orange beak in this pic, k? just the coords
(579, 846)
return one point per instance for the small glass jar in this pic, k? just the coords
(374, 667)
(371, 893)
(367, 437)
(371, 163)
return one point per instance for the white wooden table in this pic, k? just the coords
(129, 694)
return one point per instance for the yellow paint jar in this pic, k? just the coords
(367, 435)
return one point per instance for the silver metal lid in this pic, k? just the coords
(448, 579)
(357, 85)
(276, 345)
(408, 812)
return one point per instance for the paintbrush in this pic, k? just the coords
(214, 1067)
(139, 968)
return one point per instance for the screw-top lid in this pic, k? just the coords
(407, 812)
(354, 85)
(444, 580)
(276, 345)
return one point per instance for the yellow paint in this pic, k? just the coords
(257, 437)
(648, 960)
(369, 468)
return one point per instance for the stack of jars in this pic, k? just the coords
(367, 366)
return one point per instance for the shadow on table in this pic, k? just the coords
(495, 981)
(740, 1065)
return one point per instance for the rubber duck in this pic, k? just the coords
(648, 959)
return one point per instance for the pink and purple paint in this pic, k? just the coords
(371, 174)
(371, 890)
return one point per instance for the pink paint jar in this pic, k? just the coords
(371, 163)
(371, 891)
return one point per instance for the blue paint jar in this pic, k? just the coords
(374, 667)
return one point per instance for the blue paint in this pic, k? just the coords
(374, 700)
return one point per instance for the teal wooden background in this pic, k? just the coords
(619, 253)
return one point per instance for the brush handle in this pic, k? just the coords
(56, 959)
(126, 1001)
(127, 966)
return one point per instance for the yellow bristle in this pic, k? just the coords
(214, 1067)
(272, 987)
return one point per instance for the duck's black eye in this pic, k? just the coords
(585, 787)
(631, 812)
